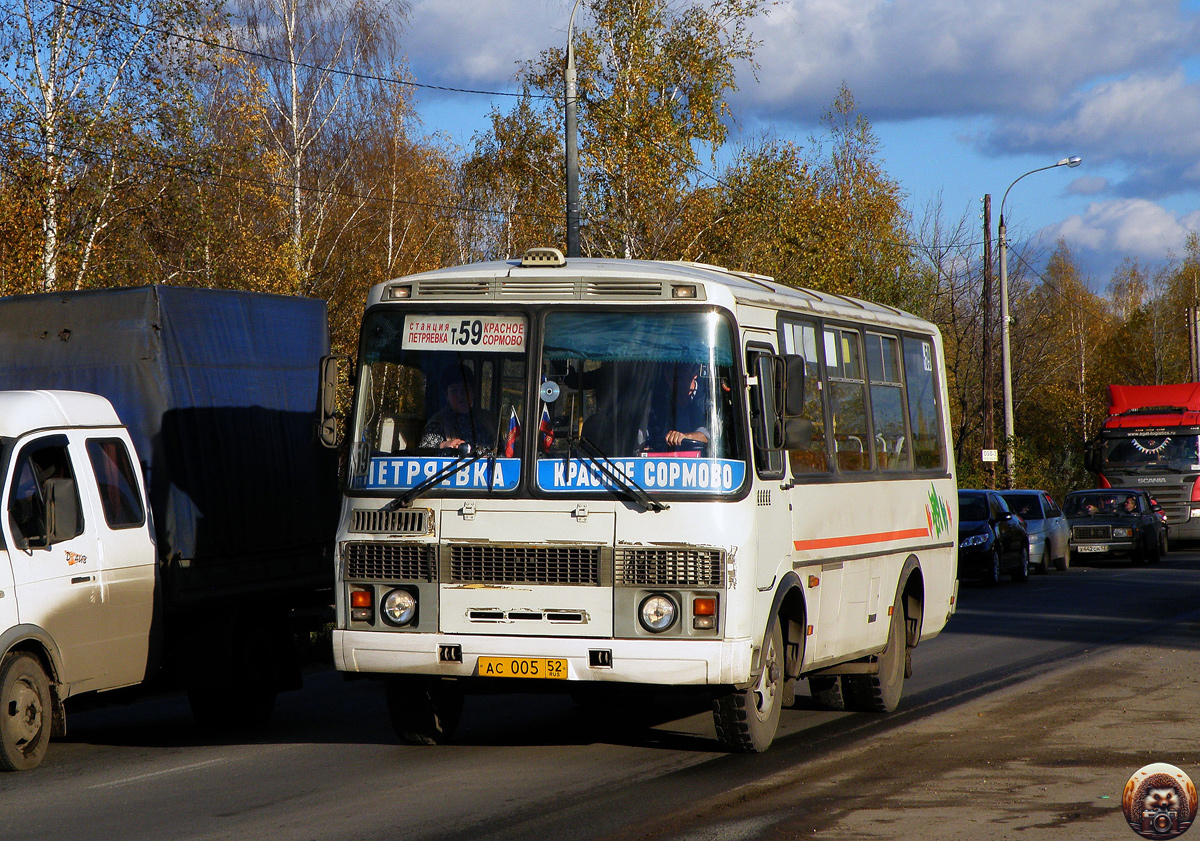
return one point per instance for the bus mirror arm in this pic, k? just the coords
(405, 499)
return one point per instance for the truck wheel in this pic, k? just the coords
(881, 692)
(25, 716)
(747, 719)
(424, 712)
(827, 691)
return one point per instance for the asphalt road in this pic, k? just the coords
(526, 766)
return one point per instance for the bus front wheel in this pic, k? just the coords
(746, 719)
(423, 712)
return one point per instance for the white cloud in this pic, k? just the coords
(1127, 227)
(909, 58)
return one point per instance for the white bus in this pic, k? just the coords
(575, 474)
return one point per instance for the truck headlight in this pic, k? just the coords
(399, 607)
(658, 613)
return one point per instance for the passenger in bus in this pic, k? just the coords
(679, 409)
(459, 422)
(622, 391)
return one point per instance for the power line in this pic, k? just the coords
(217, 45)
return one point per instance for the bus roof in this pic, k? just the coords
(1145, 406)
(623, 281)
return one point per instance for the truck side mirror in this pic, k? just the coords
(1091, 457)
(62, 511)
(327, 430)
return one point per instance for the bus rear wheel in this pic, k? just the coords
(747, 719)
(881, 692)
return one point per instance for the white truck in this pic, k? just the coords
(77, 563)
(166, 510)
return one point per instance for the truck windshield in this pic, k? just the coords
(1168, 453)
(435, 387)
(651, 393)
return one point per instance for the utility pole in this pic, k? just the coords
(989, 396)
(572, 142)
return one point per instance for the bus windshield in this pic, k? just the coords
(649, 394)
(1167, 453)
(433, 388)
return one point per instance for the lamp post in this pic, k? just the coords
(1005, 356)
(572, 142)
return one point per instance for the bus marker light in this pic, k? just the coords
(362, 598)
(809, 632)
(813, 581)
(891, 610)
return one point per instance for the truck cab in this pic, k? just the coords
(77, 563)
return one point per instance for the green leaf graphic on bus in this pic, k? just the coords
(937, 513)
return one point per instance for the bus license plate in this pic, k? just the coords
(1093, 547)
(538, 667)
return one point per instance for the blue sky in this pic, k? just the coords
(964, 95)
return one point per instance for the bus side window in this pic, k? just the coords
(924, 418)
(847, 399)
(767, 462)
(801, 338)
(887, 402)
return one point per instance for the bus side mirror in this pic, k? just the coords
(769, 395)
(327, 429)
(793, 386)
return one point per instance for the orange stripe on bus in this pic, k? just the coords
(859, 539)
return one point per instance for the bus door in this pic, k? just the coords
(773, 525)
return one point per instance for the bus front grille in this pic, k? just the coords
(389, 561)
(1092, 532)
(497, 563)
(663, 566)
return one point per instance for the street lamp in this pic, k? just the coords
(1005, 357)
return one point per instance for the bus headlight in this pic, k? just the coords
(658, 613)
(399, 607)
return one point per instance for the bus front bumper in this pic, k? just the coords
(667, 662)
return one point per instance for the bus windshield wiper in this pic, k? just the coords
(604, 464)
(465, 460)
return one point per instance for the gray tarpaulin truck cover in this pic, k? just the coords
(219, 390)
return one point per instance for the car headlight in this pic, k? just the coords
(658, 613)
(1121, 532)
(399, 607)
(973, 540)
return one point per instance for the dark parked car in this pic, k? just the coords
(1047, 527)
(1115, 522)
(991, 539)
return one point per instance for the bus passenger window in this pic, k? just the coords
(924, 419)
(887, 402)
(848, 400)
(801, 339)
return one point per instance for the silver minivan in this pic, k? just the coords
(1049, 532)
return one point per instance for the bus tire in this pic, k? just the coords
(881, 692)
(747, 719)
(827, 691)
(26, 712)
(423, 712)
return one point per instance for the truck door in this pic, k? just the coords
(8, 593)
(126, 557)
(53, 552)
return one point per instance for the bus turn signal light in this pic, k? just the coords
(704, 612)
(362, 605)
